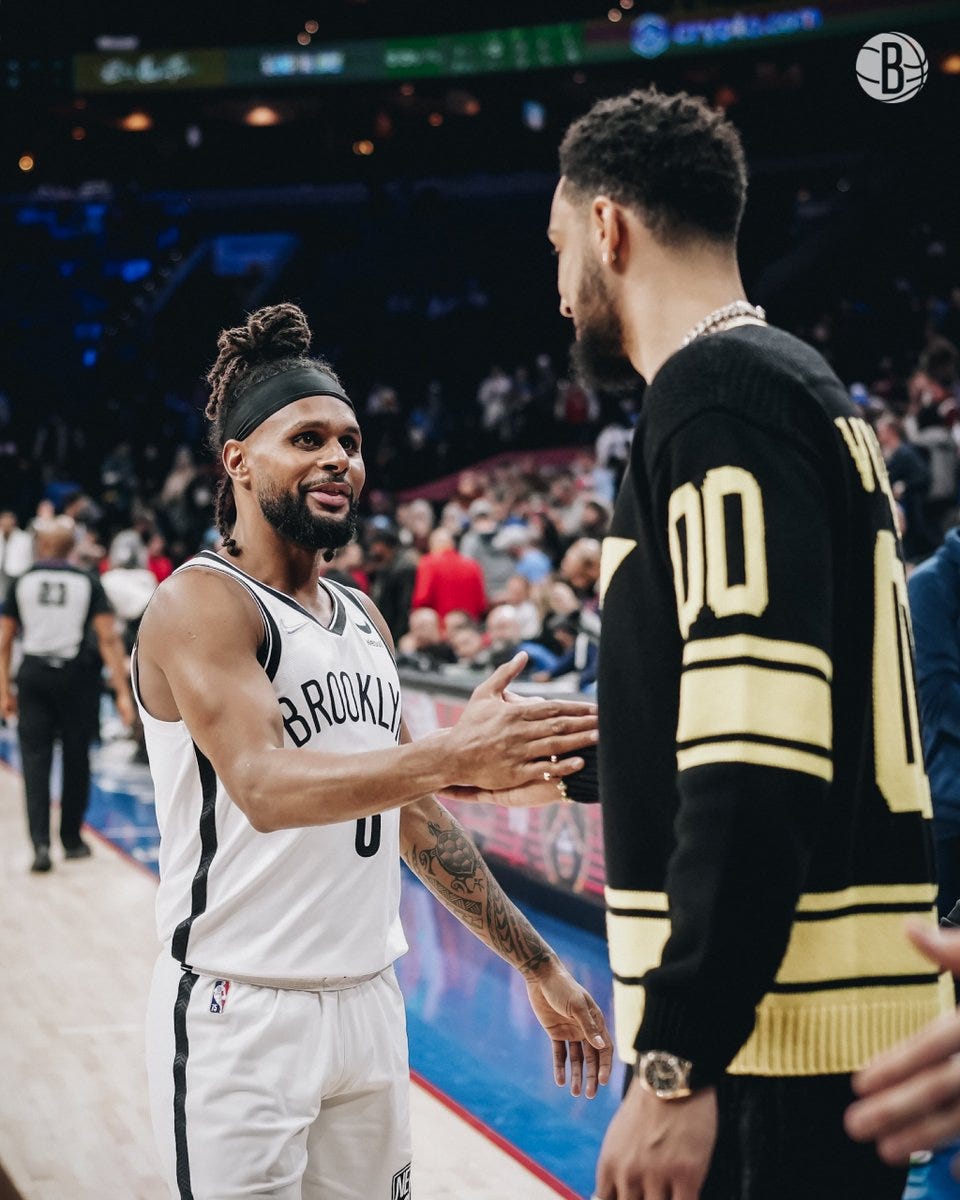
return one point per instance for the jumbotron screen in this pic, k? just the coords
(642, 37)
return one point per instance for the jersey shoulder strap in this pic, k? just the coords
(269, 650)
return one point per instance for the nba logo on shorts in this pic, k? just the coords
(892, 67)
(218, 997)
(401, 1184)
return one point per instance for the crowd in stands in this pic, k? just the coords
(511, 562)
(525, 407)
(508, 556)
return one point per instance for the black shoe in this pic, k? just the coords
(41, 859)
(80, 850)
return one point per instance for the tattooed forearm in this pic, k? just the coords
(440, 851)
(470, 912)
(511, 934)
(450, 855)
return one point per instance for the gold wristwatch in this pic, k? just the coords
(664, 1074)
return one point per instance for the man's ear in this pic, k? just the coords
(235, 463)
(609, 226)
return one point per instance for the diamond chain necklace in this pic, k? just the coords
(731, 315)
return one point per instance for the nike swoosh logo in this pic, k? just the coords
(364, 628)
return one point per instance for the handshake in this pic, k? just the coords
(520, 751)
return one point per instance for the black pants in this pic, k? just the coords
(783, 1139)
(56, 703)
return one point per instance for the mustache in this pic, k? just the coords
(334, 480)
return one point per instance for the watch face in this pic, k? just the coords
(662, 1073)
(665, 1075)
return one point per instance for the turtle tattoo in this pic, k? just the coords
(454, 852)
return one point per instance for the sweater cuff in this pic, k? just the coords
(707, 1038)
(584, 785)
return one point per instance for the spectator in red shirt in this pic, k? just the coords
(350, 560)
(158, 561)
(447, 579)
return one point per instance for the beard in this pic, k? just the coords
(291, 517)
(597, 356)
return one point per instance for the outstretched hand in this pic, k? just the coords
(497, 683)
(503, 742)
(529, 795)
(575, 1024)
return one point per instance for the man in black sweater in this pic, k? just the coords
(766, 811)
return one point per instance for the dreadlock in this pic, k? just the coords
(273, 340)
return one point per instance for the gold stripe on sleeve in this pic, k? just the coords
(757, 701)
(745, 645)
(859, 946)
(921, 894)
(628, 1003)
(759, 754)
(636, 943)
(628, 898)
(812, 1033)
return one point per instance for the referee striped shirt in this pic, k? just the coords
(53, 603)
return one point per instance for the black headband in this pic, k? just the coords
(262, 400)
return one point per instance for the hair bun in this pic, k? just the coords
(270, 335)
(277, 331)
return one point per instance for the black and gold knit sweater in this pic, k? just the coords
(765, 808)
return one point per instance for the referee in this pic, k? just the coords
(58, 682)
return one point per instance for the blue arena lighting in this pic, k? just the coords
(131, 270)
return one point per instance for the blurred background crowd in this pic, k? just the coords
(139, 215)
(469, 566)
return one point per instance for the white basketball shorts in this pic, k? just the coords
(295, 1095)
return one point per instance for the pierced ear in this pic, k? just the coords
(611, 232)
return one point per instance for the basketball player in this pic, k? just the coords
(765, 806)
(286, 788)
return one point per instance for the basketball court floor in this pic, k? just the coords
(78, 946)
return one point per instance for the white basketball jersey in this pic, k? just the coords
(295, 905)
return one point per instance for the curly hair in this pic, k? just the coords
(274, 339)
(677, 162)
